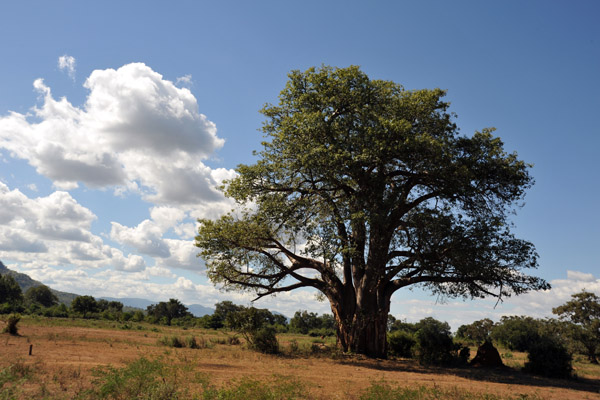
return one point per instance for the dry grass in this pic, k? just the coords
(66, 353)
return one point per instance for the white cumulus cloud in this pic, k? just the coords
(145, 238)
(136, 131)
(54, 230)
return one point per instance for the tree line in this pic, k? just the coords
(40, 300)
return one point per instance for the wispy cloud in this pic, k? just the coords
(67, 63)
(185, 81)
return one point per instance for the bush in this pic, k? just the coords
(141, 379)
(60, 311)
(11, 324)
(280, 388)
(401, 344)
(464, 354)
(138, 316)
(325, 332)
(294, 348)
(549, 357)
(280, 328)
(264, 340)
(233, 340)
(517, 333)
(434, 342)
(191, 342)
(172, 341)
(7, 308)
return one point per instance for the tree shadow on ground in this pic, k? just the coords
(504, 375)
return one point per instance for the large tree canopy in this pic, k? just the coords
(363, 188)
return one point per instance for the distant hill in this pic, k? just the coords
(131, 302)
(196, 309)
(25, 282)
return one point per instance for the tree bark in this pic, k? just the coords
(362, 326)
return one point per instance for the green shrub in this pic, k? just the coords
(517, 332)
(463, 355)
(434, 342)
(293, 346)
(11, 324)
(141, 379)
(384, 391)
(401, 344)
(233, 340)
(192, 343)
(264, 340)
(321, 332)
(12, 378)
(138, 316)
(7, 308)
(60, 311)
(282, 388)
(171, 341)
(549, 357)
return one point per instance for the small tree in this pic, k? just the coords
(265, 340)
(517, 332)
(434, 342)
(224, 311)
(84, 305)
(477, 332)
(256, 325)
(584, 312)
(402, 325)
(304, 321)
(111, 306)
(168, 310)
(41, 295)
(10, 291)
(248, 320)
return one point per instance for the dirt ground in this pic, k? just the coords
(63, 358)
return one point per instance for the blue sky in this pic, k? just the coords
(110, 214)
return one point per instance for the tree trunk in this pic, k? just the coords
(362, 326)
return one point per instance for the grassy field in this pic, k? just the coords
(77, 359)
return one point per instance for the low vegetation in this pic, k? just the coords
(98, 360)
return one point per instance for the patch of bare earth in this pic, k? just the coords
(63, 360)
